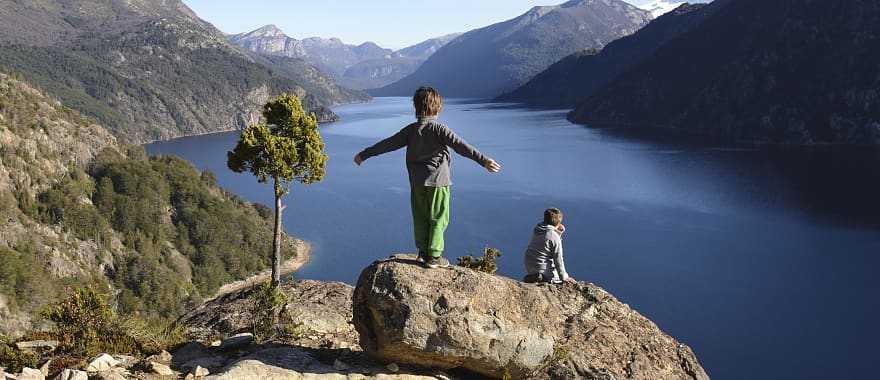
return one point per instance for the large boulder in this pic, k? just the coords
(459, 318)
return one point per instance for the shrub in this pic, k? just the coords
(14, 359)
(82, 322)
(561, 353)
(487, 263)
(85, 326)
(268, 304)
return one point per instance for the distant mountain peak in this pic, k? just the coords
(488, 61)
(270, 30)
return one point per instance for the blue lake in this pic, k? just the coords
(764, 261)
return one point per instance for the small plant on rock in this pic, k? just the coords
(561, 353)
(487, 263)
(268, 305)
(506, 375)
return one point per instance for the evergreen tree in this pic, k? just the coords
(287, 148)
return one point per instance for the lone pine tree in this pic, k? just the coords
(284, 149)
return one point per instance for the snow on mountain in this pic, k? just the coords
(661, 7)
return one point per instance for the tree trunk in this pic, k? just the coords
(276, 240)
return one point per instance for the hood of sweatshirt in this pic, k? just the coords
(542, 229)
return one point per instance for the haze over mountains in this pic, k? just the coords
(577, 76)
(356, 66)
(147, 69)
(489, 61)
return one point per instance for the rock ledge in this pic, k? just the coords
(458, 318)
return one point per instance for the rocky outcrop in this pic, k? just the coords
(325, 348)
(456, 317)
(322, 309)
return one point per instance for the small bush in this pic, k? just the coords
(268, 305)
(81, 322)
(86, 326)
(270, 321)
(561, 353)
(487, 263)
(14, 359)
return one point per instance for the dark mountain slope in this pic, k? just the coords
(785, 71)
(577, 76)
(498, 58)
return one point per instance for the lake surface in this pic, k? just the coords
(764, 261)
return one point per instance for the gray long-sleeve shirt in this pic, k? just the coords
(544, 254)
(427, 154)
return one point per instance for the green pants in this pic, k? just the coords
(430, 210)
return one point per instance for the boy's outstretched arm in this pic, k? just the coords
(467, 150)
(395, 142)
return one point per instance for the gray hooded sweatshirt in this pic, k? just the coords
(427, 153)
(544, 254)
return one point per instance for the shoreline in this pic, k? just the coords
(320, 123)
(303, 256)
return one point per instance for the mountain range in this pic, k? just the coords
(489, 61)
(785, 71)
(149, 69)
(579, 75)
(356, 66)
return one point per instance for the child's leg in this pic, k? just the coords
(439, 203)
(420, 214)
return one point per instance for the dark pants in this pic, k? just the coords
(537, 277)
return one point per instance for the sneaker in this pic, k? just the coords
(422, 257)
(435, 262)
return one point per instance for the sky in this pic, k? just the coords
(390, 23)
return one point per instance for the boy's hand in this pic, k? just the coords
(358, 160)
(560, 228)
(492, 166)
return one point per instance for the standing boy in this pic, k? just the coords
(543, 258)
(427, 161)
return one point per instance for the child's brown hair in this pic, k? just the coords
(553, 216)
(427, 102)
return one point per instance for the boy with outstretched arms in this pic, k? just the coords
(543, 259)
(428, 159)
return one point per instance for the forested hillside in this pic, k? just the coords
(786, 71)
(77, 208)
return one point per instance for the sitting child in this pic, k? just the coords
(543, 258)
